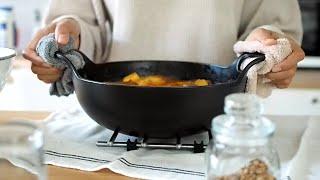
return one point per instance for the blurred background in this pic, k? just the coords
(27, 16)
(25, 92)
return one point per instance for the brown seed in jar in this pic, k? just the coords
(271, 178)
(219, 178)
(234, 177)
(216, 178)
(251, 169)
(260, 178)
(242, 177)
(265, 168)
(263, 165)
(260, 171)
(256, 162)
(245, 171)
(256, 170)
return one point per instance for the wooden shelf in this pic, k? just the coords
(305, 78)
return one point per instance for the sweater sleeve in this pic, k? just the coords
(93, 41)
(279, 16)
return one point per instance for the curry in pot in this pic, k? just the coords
(161, 81)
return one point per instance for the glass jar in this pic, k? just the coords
(21, 151)
(241, 148)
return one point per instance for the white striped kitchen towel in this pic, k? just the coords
(71, 136)
(70, 142)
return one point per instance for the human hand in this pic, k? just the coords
(63, 30)
(282, 73)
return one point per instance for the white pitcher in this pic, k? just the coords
(6, 56)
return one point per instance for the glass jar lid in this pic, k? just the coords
(242, 124)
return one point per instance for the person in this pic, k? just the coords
(188, 30)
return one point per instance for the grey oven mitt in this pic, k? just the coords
(46, 49)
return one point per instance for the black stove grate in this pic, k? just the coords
(196, 146)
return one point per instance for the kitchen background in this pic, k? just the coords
(25, 92)
(27, 17)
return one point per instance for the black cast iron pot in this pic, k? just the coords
(157, 112)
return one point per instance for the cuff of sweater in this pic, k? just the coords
(279, 31)
(86, 44)
(273, 29)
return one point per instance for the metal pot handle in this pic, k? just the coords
(85, 58)
(259, 57)
(61, 56)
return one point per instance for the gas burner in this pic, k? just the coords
(196, 147)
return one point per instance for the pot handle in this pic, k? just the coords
(87, 61)
(259, 57)
(61, 56)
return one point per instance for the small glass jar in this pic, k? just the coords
(21, 151)
(241, 148)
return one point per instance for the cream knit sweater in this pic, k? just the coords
(186, 30)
